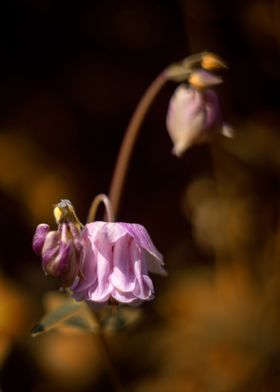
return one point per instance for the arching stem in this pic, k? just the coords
(101, 198)
(130, 138)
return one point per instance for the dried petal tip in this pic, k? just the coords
(201, 79)
(39, 237)
(64, 212)
(211, 61)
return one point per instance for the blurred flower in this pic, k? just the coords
(226, 325)
(60, 249)
(16, 311)
(69, 362)
(194, 115)
(115, 261)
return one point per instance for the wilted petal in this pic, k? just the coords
(39, 237)
(50, 248)
(60, 249)
(56, 259)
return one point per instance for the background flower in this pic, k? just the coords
(194, 116)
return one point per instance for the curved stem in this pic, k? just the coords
(101, 198)
(130, 138)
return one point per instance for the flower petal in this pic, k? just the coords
(213, 111)
(39, 237)
(88, 273)
(108, 231)
(50, 248)
(126, 298)
(185, 118)
(154, 258)
(123, 277)
(144, 286)
(100, 291)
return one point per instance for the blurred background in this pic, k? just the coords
(71, 74)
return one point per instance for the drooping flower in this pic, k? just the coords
(115, 261)
(194, 114)
(60, 249)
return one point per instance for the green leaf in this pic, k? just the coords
(55, 317)
(82, 322)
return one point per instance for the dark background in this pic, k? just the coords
(71, 74)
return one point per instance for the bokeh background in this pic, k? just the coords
(71, 74)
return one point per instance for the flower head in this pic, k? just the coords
(60, 249)
(115, 261)
(194, 115)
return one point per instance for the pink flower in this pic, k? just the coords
(193, 117)
(59, 250)
(115, 261)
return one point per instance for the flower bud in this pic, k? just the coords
(60, 249)
(193, 117)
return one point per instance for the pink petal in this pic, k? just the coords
(39, 237)
(100, 291)
(142, 238)
(50, 248)
(122, 277)
(126, 298)
(213, 110)
(144, 287)
(88, 272)
(108, 231)
(185, 117)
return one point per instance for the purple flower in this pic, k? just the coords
(60, 249)
(194, 115)
(115, 261)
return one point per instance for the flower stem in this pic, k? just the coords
(101, 198)
(130, 138)
(104, 350)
